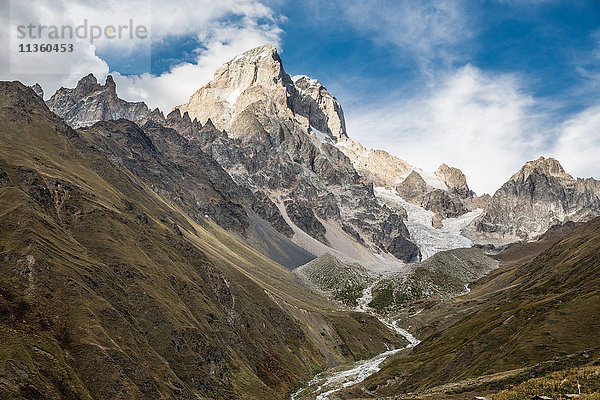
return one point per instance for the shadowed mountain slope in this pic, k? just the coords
(546, 310)
(108, 289)
(179, 170)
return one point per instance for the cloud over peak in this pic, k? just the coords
(472, 120)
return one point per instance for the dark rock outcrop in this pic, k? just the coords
(452, 201)
(91, 102)
(38, 90)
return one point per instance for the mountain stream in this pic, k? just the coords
(328, 382)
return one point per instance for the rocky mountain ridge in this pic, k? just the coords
(445, 192)
(255, 81)
(283, 140)
(272, 149)
(541, 194)
(90, 102)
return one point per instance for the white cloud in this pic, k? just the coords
(198, 16)
(484, 124)
(427, 30)
(177, 85)
(578, 143)
(223, 29)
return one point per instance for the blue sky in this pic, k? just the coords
(549, 51)
(551, 43)
(470, 83)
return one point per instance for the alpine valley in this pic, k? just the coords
(243, 246)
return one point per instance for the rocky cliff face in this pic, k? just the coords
(539, 195)
(455, 181)
(256, 81)
(38, 90)
(91, 102)
(279, 136)
(322, 110)
(413, 188)
(445, 192)
(274, 137)
(377, 166)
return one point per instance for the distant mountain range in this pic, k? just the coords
(284, 142)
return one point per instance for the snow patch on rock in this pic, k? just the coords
(431, 179)
(429, 239)
(233, 96)
(321, 137)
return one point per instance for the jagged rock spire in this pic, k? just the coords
(89, 102)
(256, 80)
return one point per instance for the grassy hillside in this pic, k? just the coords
(521, 252)
(340, 281)
(537, 316)
(440, 277)
(108, 290)
(557, 384)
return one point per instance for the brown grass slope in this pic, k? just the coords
(543, 314)
(521, 252)
(557, 384)
(110, 291)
